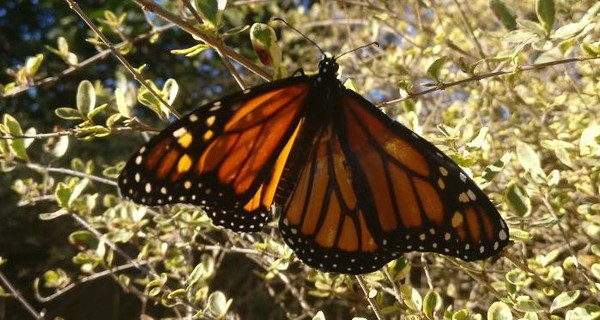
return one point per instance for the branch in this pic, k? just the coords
(70, 172)
(518, 69)
(94, 276)
(19, 297)
(158, 10)
(85, 63)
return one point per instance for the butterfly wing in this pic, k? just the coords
(416, 198)
(321, 220)
(227, 156)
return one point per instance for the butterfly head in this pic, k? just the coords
(328, 68)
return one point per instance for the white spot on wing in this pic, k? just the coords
(443, 171)
(471, 195)
(502, 235)
(463, 197)
(179, 132)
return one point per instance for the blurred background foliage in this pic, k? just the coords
(509, 89)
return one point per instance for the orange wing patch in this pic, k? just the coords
(322, 221)
(251, 136)
(421, 199)
(227, 156)
(394, 171)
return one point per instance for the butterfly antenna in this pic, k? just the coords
(302, 34)
(374, 43)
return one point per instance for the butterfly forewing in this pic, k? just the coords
(419, 199)
(226, 156)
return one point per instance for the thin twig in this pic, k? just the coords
(37, 136)
(572, 252)
(372, 303)
(85, 63)
(70, 172)
(89, 278)
(218, 48)
(443, 86)
(19, 297)
(463, 17)
(158, 10)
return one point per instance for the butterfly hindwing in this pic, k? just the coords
(419, 198)
(226, 156)
(321, 220)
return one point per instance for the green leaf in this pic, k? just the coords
(492, 170)
(56, 279)
(461, 314)
(236, 30)
(589, 143)
(63, 46)
(16, 145)
(518, 199)
(62, 193)
(499, 311)
(519, 36)
(211, 11)
(595, 249)
(569, 30)
(110, 121)
(516, 277)
(96, 110)
(191, 51)
(68, 114)
(218, 303)
(546, 12)
(98, 131)
(319, 316)
(525, 304)
(178, 293)
(86, 97)
(121, 104)
(596, 270)
(84, 239)
(170, 90)
(590, 49)
(33, 64)
(563, 155)
(411, 297)
(60, 146)
(504, 14)
(519, 235)
(479, 140)
(432, 304)
(53, 215)
(564, 299)
(264, 42)
(587, 311)
(530, 161)
(532, 26)
(434, 68)
(146, 98)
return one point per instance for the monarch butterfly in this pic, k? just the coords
(356, 188)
